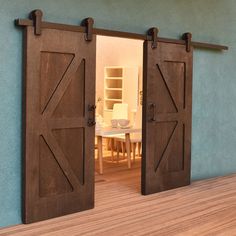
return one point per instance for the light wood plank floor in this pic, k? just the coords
(205, 207)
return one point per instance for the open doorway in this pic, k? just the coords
(119, 81)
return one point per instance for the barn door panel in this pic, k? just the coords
(166, 117)
(59, 151)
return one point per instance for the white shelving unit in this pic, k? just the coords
(120, 86)
(113, 92)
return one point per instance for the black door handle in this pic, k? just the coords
(152, 109)
(91, 119)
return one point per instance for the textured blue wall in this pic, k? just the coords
(214, 110)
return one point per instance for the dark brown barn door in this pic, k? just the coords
(166, 117)
(59, 140)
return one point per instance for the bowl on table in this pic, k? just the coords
(123, 123)
(114, 123)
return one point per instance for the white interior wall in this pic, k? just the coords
(113, 51)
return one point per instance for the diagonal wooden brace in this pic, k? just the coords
(153, 33)
(188, 38)
(36, 16)
(88, 23)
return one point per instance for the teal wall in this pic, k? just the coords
(214, 88)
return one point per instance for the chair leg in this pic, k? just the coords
(99, 138)
(127, 143)
(134, 150)
(118, 151)
(123, 149)
(139, 149)
(112, 149)
(107, 143)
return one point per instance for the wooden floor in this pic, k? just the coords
(205, 207)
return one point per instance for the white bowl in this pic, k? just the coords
(114, 123)
(123, 122)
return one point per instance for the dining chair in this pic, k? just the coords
(135, 139)
(120, 111)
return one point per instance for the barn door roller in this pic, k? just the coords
(188, 38)
(153, 33)
(36, 17)
(88, 23)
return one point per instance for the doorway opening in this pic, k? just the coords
(118, 141)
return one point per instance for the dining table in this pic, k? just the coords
(105, 132)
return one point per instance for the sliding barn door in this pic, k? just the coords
(59, 125)
(166, 117)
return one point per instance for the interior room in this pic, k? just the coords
(119, 64)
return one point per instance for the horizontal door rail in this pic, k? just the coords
(113, 33)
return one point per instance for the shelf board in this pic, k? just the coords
(114, 67)
(110, 110)
(115, 78)
(112, 99)
(114, 89)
